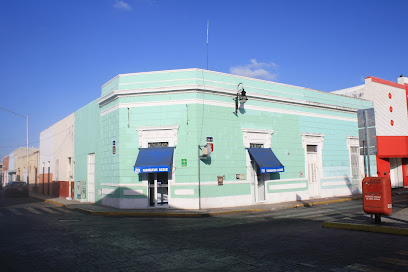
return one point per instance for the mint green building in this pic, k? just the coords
(147, 141)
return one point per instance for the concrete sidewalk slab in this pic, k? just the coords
(396, 223)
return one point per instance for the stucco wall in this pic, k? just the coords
(56, 146)
(287, 110)
(87, 141)
(21, 163)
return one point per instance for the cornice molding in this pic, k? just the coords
(103, 101)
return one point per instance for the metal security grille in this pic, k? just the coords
(355, 163)
(312, 148)
(251, 145)
(158, 144)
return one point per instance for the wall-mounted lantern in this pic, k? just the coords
(241, 96)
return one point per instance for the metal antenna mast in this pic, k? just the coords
(208, 24)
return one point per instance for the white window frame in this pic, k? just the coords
(314, 139)
(256, 136)
(352, 141)
(159, 134)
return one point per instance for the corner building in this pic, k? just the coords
(391, 124)
(141, 144)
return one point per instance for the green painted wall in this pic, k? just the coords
(198, 121)
(87, 140)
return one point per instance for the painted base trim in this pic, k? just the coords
(226, 201)
(184, 192)
(275, 187)
(133, 192)
(125, 203)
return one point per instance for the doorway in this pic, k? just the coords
(396, 173)
(91, 178)
(158, 189)
(313, 171)
(258, 184)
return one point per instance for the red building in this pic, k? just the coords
(391, 118)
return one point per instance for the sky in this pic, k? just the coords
(56, 54)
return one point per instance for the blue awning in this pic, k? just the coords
(151, 160)
(266, 160)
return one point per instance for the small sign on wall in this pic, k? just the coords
(114, 150)
(240, 176)
(211, 145)
(184, 162)
(220, 180)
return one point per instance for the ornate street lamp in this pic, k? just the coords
(241, 96)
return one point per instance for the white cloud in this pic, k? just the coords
(122, 5)
(256, 69)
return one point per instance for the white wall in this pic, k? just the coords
(56, 145)
(379, 94)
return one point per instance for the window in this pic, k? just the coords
(355, 162)
(69, 168)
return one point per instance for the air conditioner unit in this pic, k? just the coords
(206, 151)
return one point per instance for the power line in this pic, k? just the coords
(31, 143)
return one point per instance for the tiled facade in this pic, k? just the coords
(312, 133)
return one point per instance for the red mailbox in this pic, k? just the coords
(377, 195)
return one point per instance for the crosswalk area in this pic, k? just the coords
(22, 211)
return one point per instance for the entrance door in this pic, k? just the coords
(158, 189)
(258, 182)
(313, 171)
(91, 177)
(396, 173)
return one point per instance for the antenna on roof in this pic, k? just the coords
(208, 24)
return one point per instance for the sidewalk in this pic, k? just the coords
(396, 223)
(93, 209)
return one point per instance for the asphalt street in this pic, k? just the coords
(40, 236)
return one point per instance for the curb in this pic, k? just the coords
(368, 228)
(53, 202)
(164, 214)
(155, 214)
(326, 202)
(191, 214)
(235, 212)
(142, 214)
